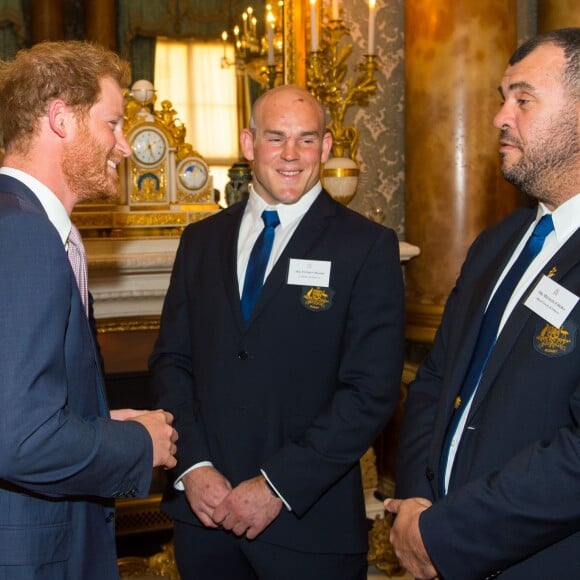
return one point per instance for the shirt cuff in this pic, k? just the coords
(178, 484)
(273, 488)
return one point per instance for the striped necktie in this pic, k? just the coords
(78, 262)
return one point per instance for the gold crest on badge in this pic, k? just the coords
(316, 298)
(552, 341)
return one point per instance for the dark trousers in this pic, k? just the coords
(209, 554)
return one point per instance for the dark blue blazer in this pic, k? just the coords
(513, 506)
(305, 388)
(62, 458)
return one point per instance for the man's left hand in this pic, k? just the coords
(248, 509)
(406, 536)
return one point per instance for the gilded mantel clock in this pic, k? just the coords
(148, 167)
(163, 169)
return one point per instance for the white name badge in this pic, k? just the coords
(551, 301)
(309, 272)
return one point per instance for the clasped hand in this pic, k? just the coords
(159, 425)
(248, 509)
(406, 536)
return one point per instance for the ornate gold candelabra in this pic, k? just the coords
(258, 56)
(326, 71)
(326, 77)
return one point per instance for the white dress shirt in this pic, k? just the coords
(252, 224)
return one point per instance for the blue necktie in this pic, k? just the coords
(489, 328)
(254, 279)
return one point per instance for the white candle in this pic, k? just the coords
(335, 15)
(224, 39)
(313, 26)
(372, 11)
(270, 26)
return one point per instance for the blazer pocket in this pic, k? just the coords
(34, 545)
(34, 530)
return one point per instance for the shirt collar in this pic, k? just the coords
(54, 209)
(566, 217)
(288, 213)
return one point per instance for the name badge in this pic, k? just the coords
(551, 301)
(309, 272)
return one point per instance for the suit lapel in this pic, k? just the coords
(228, 244)
(559, 265)
(472, 312)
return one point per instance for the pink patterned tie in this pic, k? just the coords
(78, 261)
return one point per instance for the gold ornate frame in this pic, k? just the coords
(295, 12)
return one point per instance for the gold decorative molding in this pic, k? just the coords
(135, 323)
(161, 564)
(289, 42)
(295, 37)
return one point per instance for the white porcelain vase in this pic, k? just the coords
(340, 178)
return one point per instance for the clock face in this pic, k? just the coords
(193, 174)
(149, 146)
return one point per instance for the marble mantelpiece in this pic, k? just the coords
(129, 277)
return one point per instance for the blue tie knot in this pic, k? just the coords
(543, 227)
(270, 218)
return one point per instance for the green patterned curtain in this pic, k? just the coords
(12, 28)
(142, 59)
(140, 22)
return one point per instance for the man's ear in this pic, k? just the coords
(58, 114)
(247, 143)
(326, 146)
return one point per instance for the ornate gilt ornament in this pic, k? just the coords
(162, 168)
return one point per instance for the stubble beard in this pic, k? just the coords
(546, 166)
(87, 172)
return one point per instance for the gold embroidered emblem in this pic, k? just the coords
(553, 341)
(316, 299)
(457, 403)
(552, 272)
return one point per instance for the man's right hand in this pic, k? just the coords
(205, 488)
(163, 435)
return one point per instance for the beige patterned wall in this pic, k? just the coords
(380, 192)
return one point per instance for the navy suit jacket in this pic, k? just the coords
(305, 388)
(62, 458)
(513, 506)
